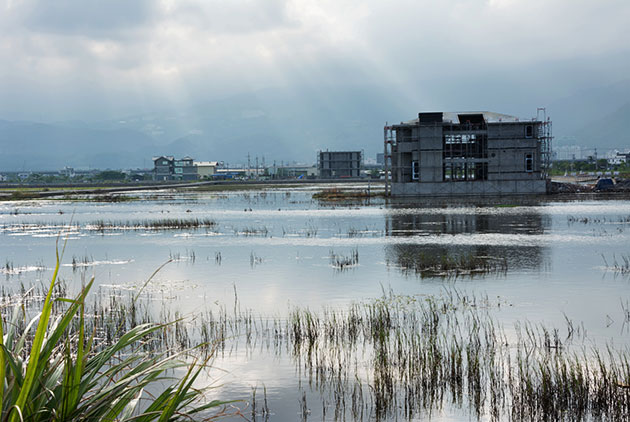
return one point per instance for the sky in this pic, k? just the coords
(91, 60)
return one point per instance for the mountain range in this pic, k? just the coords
(279, 125)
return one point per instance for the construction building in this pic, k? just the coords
(467, 153)
(339, 164)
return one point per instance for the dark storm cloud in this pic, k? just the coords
(449, 54)
(90, 18)
(120, 18)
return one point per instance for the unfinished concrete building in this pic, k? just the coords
(339, 164)
(467, 153)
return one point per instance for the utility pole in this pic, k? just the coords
(249, 166)
(256, 167)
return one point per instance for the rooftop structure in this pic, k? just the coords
(467, 153)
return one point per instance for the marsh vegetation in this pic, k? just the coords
(500, 312)
(395, 357)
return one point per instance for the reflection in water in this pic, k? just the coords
(426, 258)
(330, 361)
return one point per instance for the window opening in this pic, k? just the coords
(529, 163)
(529, 131)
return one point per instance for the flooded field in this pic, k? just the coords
(365, 310)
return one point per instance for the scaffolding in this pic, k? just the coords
(545, 136)
(388, 142)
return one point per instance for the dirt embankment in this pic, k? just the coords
(621, 185)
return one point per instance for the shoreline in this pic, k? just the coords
(33, 192)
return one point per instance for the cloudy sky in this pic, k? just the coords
(88, 59)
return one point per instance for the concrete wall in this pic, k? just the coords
(430, 147)
(475, 188)
(507, 151)
(205, 170)
(511, 130)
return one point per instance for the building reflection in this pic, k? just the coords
(429, 236)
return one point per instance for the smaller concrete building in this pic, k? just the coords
(339, 164)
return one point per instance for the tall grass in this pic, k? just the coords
(159, 224)
(393, 358)
(52, 368)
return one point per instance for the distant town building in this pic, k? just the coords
(169, 168)
(470, 153)
(68, 172)
(206, 169)
(339, 164)
(293, 172)
(231, 173)
(163, 167)
(617, 158)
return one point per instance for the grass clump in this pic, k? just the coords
(21, 195)
(158, 224)
(53, 369)
(618, 266)
(335, 194)
(342, 262)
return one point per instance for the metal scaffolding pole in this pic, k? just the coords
(387, 139)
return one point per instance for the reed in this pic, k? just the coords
(56, 367)
(253, 231)
(342, 262)
(395, 357)
(619, 265)
(339, 195)
(424, 353)
(158, 224)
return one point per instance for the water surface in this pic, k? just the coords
(276, 250)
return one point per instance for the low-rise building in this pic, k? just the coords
(293, 172)
(166, 167)
(339, 164)
(206, 169)
(163, 167)
(618, 158)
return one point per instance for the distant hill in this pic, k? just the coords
(281, 125)
(573, 116)
(28, 145)
(607, 132)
